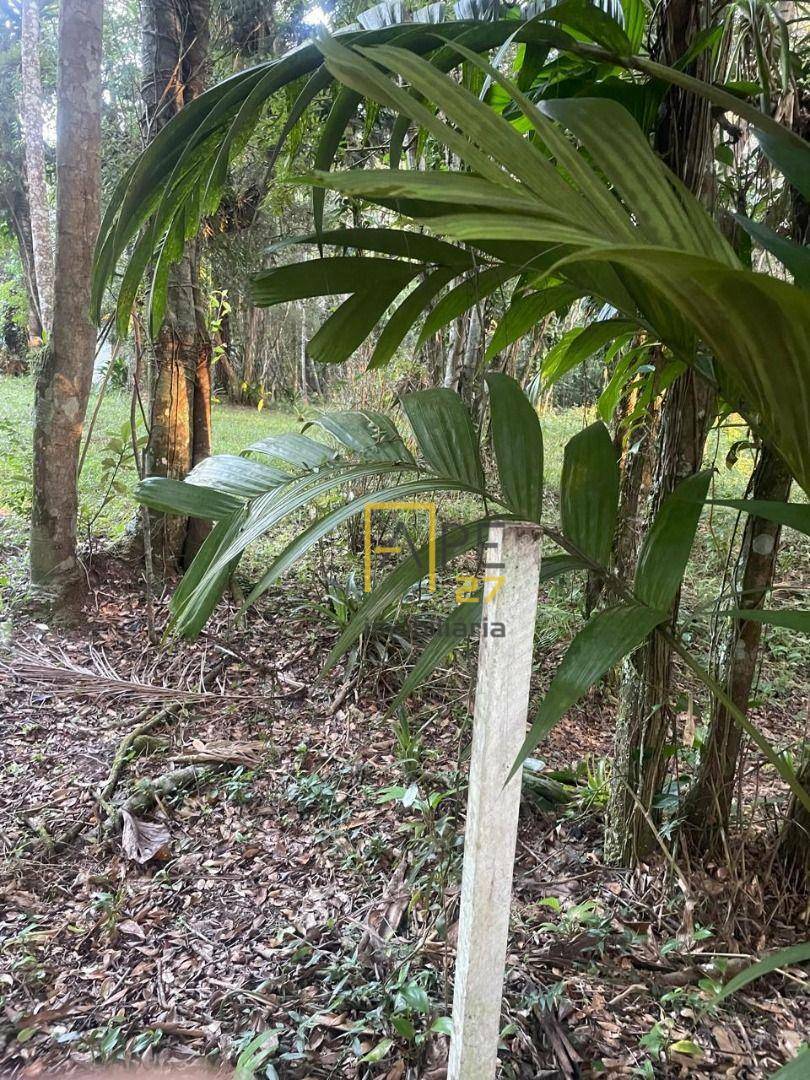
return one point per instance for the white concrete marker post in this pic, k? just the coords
(490, 836)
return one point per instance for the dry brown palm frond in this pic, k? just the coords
(226, 752)
(58, 674)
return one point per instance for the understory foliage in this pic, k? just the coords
(248, 499)
(485, 207)
(558, 198)
(602, 215)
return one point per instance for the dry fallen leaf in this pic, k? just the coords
(143, 840)
(129, 926)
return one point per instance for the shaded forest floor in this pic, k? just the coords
(305, 847)
(306, 882)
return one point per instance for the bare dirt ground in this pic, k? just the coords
(295, 873)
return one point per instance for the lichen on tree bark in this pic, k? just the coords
(42, 248)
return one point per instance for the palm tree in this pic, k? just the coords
(582, 206)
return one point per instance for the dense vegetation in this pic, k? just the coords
(544, 265)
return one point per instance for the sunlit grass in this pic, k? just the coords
(106, 512)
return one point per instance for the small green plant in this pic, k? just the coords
(255, 1052)
(409, 747)
(219, 308)
(146, 1040)
(593, 774)
(108, 1043)
(118, 456)
(656, 1039)
(22, 951)
(238, 787)
(106, 907)
(312, 794)
(685, 944)
(587, 914)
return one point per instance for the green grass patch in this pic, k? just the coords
(105, 503)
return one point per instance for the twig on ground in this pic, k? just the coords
(151, 791)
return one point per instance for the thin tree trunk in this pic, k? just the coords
(708, 806)
(19, 219)
(63, 385)
(201, 434)
(634, 451)
(175, 56)
(645, 714)
(472, 355)
(35, 161)
(303, 356)
(794, 842)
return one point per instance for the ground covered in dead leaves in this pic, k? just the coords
(293, 873)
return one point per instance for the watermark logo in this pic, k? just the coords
(428, 508)
(470, 588)
(469, 585)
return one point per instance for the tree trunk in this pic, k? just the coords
(454, 357)
(645, 713)
(635, 452)
(683, 139)
(303, 356)
(708, 806)
(794, 842)
(175, 56)
(35, 161)
(63, 385)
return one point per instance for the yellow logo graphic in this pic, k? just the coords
(469, 586)
(428, 508)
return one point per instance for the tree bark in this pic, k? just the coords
(63, 385)
(635, 452)
(708, 806)
(35, 161)
(794, 842)
(175, 57)
(683, 140)
(454, 356)
(645, 713)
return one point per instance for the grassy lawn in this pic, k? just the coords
(104, 510)
(108, 473)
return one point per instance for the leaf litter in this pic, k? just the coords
(305, 882)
